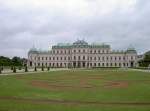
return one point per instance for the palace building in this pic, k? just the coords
(80, 54)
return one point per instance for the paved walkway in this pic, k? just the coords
(29, 72)
(142, 70)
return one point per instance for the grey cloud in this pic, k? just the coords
(20, 28)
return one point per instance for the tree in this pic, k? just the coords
(5, 61)
(145, 62)
(16, 61)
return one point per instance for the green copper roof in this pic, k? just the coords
(77, 44)
(131, 50)
(80, 42)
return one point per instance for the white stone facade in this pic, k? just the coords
(82, 55)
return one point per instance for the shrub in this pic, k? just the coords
(26, 69)
(14, 70)
(42, 68)
(35, 69)
(11, 67)
(0, 70)
(48, 68)
(20, 68)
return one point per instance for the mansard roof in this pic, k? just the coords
(79, 44)
(76, 44)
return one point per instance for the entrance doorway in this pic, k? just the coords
(79, 64)
(132, 64)
(74, 64)
(83, 64)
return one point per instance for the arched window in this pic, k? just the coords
(90, 58)
(110, 58)
(74, 57)
(119, 64)
(107, 64)
(119, 58)
(90, 64)
(83, 57)
(78, 57)
(107, 58)
(91, 51)
(99, 58)
(111, 64)
(60, 64)
(124, 64)
(103, 58)
(103, 64)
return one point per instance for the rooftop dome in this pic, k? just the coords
(80, 42)
(33, 50)
(131, 50)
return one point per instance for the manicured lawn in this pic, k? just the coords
(76, 90)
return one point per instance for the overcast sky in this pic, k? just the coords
(43, 23)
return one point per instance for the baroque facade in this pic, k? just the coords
(80, 54)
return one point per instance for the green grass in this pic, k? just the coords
(71, 85)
